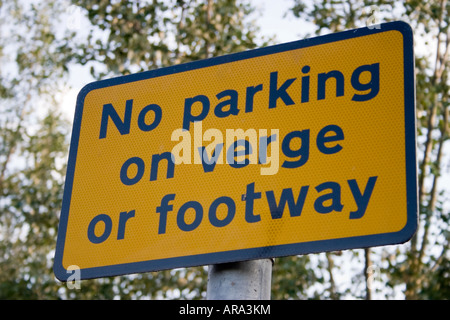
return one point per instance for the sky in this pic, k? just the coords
(275, 21)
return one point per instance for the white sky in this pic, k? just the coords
(276, 21)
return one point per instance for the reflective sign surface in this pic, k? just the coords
(303, 147)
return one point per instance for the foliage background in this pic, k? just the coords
(42, 43)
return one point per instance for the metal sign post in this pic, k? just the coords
(245, 280)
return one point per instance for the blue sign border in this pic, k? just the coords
(264, 252)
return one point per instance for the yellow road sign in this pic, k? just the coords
(297, 148)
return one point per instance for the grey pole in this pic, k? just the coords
(246, 280)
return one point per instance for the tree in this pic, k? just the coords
(129, 36)
(33, 146)
(417, 265)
